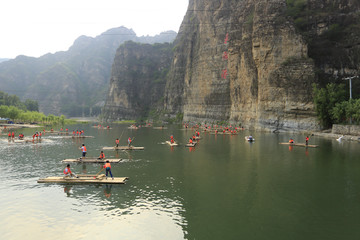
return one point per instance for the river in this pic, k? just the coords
(224, 188)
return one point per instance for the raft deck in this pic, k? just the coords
(85, 179)
(92, 160)
(123, 148)
(172, 144)
(190, 145)
(299, 145)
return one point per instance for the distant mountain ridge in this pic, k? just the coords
(71, 82)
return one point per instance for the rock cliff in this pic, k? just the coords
(253, 62)
(137, 80)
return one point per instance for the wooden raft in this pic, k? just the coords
(123, 148)
(299, 144)
(86, 179)
(160, 128)
(249, 140)
(223, 133)
(172, 144)
(190, 145)
(92, 160)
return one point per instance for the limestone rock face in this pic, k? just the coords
(137, 80)
(245, 62)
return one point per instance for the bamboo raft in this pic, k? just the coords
(83, 136)
(190, 145)
(123, 148)
(249, 140)
(223, 133)
(83, 179)
(91, 160)
(52, 132)
(172, 144)
(160, 128)
(299, 144)
(26, 140)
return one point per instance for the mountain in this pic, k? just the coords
(138, 79)
(253, 62)
(73, 82)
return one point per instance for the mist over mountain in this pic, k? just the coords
(73, 82)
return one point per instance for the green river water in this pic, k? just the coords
(224, 188)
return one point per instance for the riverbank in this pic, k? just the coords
(329, 134)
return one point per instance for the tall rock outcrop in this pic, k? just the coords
(137, 80)
(250, 62)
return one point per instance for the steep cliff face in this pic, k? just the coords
(248, 62)
(137, 80)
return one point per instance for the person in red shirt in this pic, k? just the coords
(117, 142)
(107, 167)
(68, 173)
(83, 149)
(102, 155)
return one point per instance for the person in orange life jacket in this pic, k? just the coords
(102, 155)
(9, 135)
(193, 137)
(307, 140)
(13, 135)
(107, 167)
(68, 172)
(190, 141)
(129, 141)
(172, 139)
(291, 140)
(117, 142)
(197, 133)
(83, 148)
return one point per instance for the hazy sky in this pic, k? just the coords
(36, 27)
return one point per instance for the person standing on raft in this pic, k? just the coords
(107, 167)
(68, 172)
(117, 142)
(129, 141)
(83, 149)
(307, 140)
